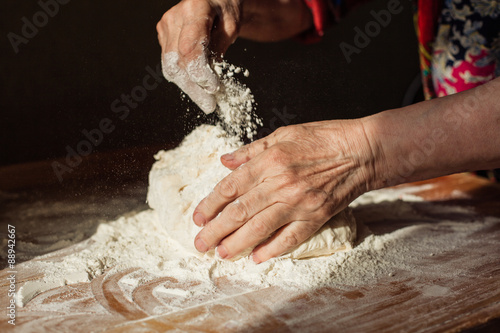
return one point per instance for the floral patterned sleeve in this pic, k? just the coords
(466, 51)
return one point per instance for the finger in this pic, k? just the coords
(173, 72)
(195, 33)
(286, 239)
(247, 152)
(168, 29)
(184, 53)
(224, 32)
(201, 73)
(227, 190)
(234, 215)
(256, 230)
(204, 100)
(193, 41)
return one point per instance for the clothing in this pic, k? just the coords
(466, 51)
(459, 42)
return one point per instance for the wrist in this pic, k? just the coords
(354, 139)
(373, 157)
(410, 142)
(377, 131)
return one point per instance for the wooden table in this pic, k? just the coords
(406, 302)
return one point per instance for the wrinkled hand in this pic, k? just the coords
(285, 187)
(194, 30)
(184, 33)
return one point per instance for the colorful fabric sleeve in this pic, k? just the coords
(326, 13)
(426, 18)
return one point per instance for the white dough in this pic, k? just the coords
(183, 176)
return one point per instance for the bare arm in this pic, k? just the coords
(285, 186)
(452, 134)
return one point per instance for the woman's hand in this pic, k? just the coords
(194, 30)
(285, 187)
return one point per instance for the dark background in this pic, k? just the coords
(66, 77)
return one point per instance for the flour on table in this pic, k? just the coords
(158, 243)
(140, 240)
(183, 176)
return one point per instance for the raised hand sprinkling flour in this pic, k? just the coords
(192, 31)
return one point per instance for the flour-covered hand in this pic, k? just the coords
(185, 33)
(284, 187)
(192, 31)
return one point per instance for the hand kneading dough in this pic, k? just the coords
(183, 176)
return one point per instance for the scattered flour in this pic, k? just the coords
(235, 102)
(215, 88)
(139, 240)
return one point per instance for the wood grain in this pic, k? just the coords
(449, 292)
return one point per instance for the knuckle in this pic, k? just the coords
(232, 28)
(290, 181)
(189, 6)
(293, 132)
(239, 212)
(260, 229)
(247, 173)
(228, 188)
(159, 27)
(194, 37)
(291, 184)
(280, 131)
(276, 155)
(167, 19)
(187, 45)
(290, 240)
(314, 200)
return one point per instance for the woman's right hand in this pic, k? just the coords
(194, 30)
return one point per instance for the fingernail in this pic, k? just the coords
(199, 219)
(221, 249)
(200, 245)
(256, 259)
(228, 157)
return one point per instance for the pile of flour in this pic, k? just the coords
(139, 240)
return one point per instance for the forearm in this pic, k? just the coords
(447, 135)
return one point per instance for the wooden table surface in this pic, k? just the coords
(410, 301)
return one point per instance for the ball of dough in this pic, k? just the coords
(183, 176)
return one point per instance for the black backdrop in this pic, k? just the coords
(65, 77)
